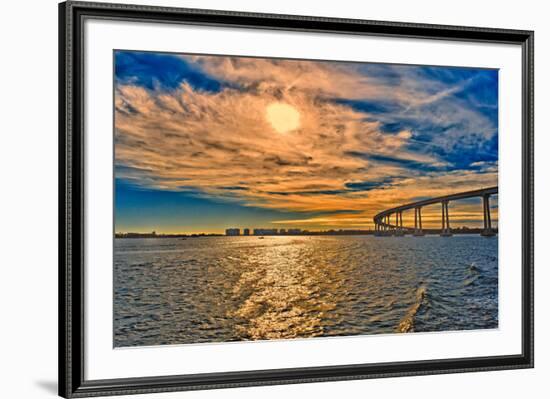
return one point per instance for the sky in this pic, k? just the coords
(204, 143)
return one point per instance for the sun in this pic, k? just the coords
(283, 117)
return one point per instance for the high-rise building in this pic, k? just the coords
(246, 232)
(233, 232)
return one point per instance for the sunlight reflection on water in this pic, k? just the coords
(214, 289)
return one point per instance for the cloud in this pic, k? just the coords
(157, 70)
(345, 155)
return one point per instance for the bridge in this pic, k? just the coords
(384, 227)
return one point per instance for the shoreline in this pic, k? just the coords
(426, 233)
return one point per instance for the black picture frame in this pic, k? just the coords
(71, 199)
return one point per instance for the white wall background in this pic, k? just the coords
(28, 200)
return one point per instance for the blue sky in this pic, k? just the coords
(203, 143)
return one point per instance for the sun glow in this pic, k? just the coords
(283, 117)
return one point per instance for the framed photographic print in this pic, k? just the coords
(251, 199)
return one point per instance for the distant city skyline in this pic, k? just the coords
(207, 143)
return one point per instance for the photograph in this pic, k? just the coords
(265, 198)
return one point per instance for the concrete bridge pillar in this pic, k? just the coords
(418, 222)
(445, 226)
(377, 227)
(487, 228)
(399, 231)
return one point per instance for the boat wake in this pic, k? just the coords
(407, 323)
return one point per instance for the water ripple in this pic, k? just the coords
(216, 289)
